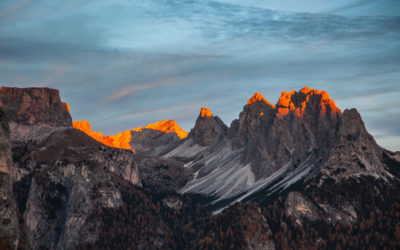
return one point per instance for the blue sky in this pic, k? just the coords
(121, 64)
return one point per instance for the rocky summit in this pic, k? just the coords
(299, 174)
(35, 106)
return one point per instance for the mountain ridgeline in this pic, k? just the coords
(298, 174)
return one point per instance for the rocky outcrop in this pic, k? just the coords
(35, 106)
(153, 142)
(9, 223)
(209, 129)
(314, 209)
(251, 131)
(162, 174)
(257, 233)
(62, 180)
(355, 151)
(301, 208)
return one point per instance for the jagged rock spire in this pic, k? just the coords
(209, 129)
(257, 97)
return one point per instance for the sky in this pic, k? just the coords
(122, 64)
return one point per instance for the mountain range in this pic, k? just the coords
(298, 174)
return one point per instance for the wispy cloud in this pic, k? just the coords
(120, 93)
(146, 112)
(13, 8)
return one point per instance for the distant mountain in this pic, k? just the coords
(153, 139)
(298, 174)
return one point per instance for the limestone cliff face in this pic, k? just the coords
(209, 129)
(60, 175)
(35, 106)
(301, 127)
(9, 229)
(153, 142)
(62, 180)
(160, 173)
(355, 151)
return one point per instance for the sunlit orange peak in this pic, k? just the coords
(324, 95)
(121, 140)
(98, 136)
(82, 125)
(166, 126)
(305, 90)
(257, 97)
(205, 112)
(285, 99)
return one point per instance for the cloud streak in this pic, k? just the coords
(146, 112)
(13, 8)
(133, 88)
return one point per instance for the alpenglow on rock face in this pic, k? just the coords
(153, 139)
(121, 140)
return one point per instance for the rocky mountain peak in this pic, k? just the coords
(257, 97)
(274, 135)
(146, 139)
(209, 129)
(205, 112)
(166, 126)
(34, 106)
(355, 151)
(311, 101)
(110, 141)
